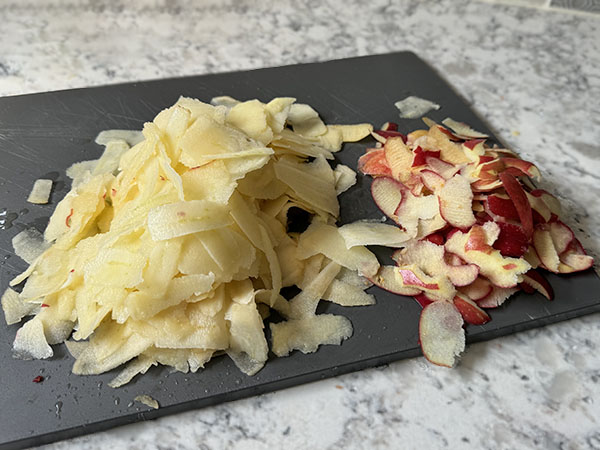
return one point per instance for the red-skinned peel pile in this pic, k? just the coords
(478, 230)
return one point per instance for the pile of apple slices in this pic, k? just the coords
(476, 229)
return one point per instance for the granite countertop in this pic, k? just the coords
(532, 74)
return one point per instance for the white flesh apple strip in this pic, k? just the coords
(15, 308)
(309, 333)
(345, 178)
(181, 218)
(441, 333)
(305, 303)
(312, 182)
(456, 199)
(327, 240)
(29, 244)
(345, 294)
(132, 137)
(30, 342)
(40, 193)
(373, 233)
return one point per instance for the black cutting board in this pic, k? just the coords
(43, 134)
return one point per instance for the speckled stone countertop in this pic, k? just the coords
(534, 75)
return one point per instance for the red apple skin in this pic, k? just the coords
(502, 207)
(511, 241)
(472, 143)
(389, 134)
(389, 126)
(526, 288)
(517, 195)
(410, 279)
(436, 238)
(485, 158)
(423, 300)
(422, 155)
(470, 312)
(527, 168)
(374, 163)
(536, 280)
(477, 241)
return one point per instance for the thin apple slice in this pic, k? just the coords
(387, 194)
(456, 200)
(388, 278)
(373, 163)
(517, 195)
(399, 158)
(501, 206)
(478, 289)
(497, 297)
(485, 185)
(526, 167)
(470, 312)
(373, 233)
(432, 180)
(537, 281)
(562, 236)
(450, 151)
(444, 169)
(544, 247)
(550, 200)
(423, 300)
(441, 333)
(574, 259)
(475, 247)
(541, 211)
(462, 130)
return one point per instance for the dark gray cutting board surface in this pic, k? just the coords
(43, 134)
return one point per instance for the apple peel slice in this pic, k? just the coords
(441, 333)
(456, 198)
(469, 310)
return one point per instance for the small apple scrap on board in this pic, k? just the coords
(477, 229)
